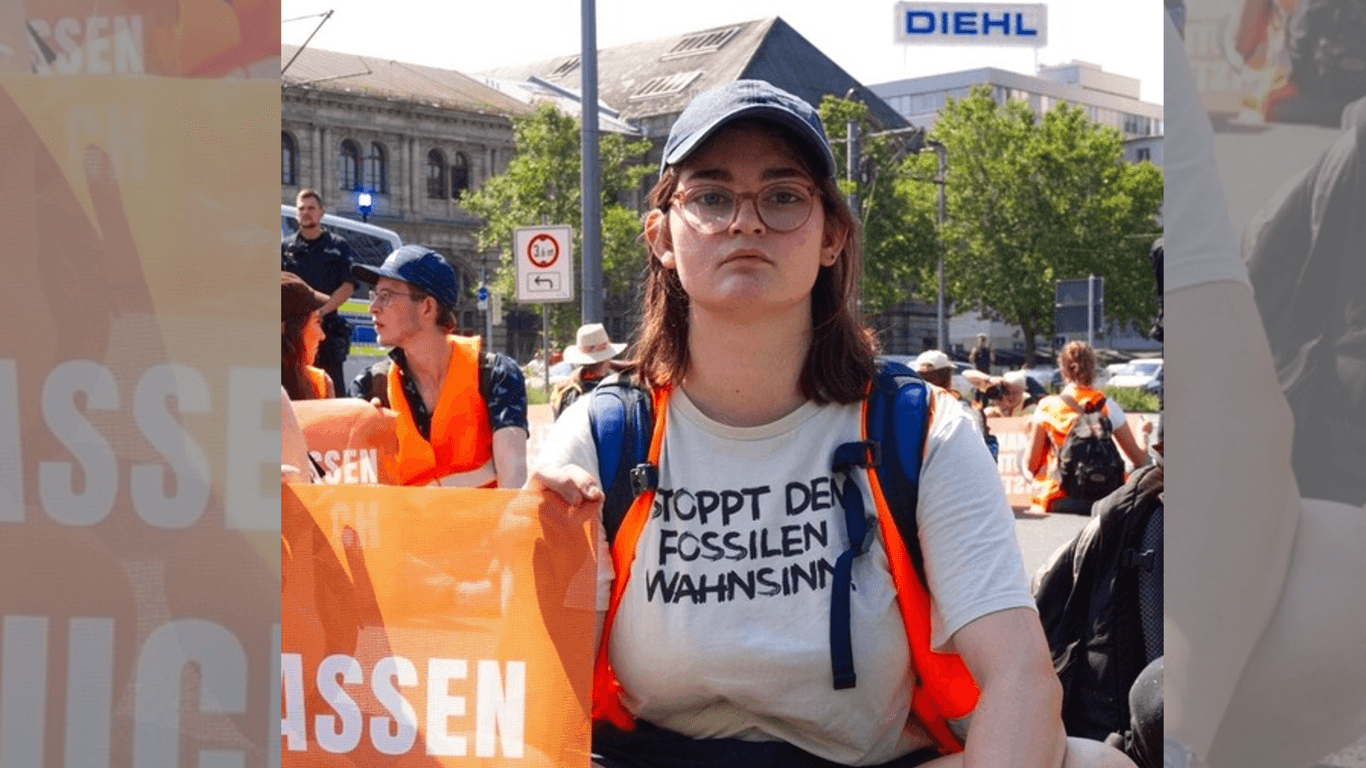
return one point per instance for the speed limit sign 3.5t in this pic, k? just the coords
(545, 264)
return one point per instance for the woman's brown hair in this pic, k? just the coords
(292, 360)
(1078, 363)
(839, 363)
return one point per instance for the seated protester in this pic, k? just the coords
(451, 430)
(1303, 254)
(759, 371)
(592, 352)
(1100, 602)
(301, 334)
(935, 367)
(1013, 394)
(1082, 464)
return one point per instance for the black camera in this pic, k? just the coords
(994, 392)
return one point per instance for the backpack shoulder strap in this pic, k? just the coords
(898, 420)
(620, 414)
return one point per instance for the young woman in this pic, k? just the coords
(301, 333)
(1052, 420)
(759, 367)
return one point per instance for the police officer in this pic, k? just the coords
(323, 259)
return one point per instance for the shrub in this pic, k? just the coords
(1134, 400)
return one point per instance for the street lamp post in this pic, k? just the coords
(941, 326)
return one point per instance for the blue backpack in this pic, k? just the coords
(622, 422)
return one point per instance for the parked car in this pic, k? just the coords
(1137, 374)
(1155, 386)
(371, 244)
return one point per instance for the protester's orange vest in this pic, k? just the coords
(461, 436)
(317, 381)
(944, 687)
(1055, 418)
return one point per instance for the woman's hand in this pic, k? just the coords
(573, 483)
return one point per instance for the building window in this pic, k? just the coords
(460, 175)
(568, 66)
(706, 42)
(1144, 154)
(665, 85)
(377, 169)
(348, 166)
(289, 162)
(436, 175)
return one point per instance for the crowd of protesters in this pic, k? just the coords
(754, 370)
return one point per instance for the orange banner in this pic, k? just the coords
(139, 395)
(353, 441)
(429, 626)
(1014, 449)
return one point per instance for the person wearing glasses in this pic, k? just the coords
(462, 412)
(759, 365)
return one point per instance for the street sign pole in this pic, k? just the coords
(1090, 311)
(545, 325)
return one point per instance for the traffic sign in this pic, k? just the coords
(545, 264)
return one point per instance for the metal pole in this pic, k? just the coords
(591, 309)
(488, 310)
(941, 324)
(545, 323)
(1090, 311)
(851, 161)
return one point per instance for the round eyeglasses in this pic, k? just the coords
(383, 296)
(782, 207)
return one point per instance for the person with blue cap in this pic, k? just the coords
(462, 413)
(719, 642)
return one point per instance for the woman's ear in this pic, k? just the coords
(832, 242)
(658, 238)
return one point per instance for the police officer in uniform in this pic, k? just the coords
(323, 259)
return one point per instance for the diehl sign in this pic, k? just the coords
(972, 24)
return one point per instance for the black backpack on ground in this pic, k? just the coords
(1089, 464)
(1100, 603)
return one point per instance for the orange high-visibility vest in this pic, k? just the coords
(461, 435)
(944, 688)
(1055, 418)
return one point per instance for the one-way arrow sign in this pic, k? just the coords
(545, 264)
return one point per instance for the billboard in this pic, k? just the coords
(995, 24)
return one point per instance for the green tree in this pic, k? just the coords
(896, 206)
(543, 179)
(1034, 200)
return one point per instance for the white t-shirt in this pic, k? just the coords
(724, 627)
(1198, 236)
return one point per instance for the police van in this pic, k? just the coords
(371, 244)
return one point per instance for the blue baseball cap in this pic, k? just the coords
(420, 266)
(712, 110)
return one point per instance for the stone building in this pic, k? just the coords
(418, 138)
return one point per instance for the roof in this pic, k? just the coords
(659, 77)
(537, 91)
(367, 76)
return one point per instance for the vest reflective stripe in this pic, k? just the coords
(1056, 420)
(462, 439)
(944, 688)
